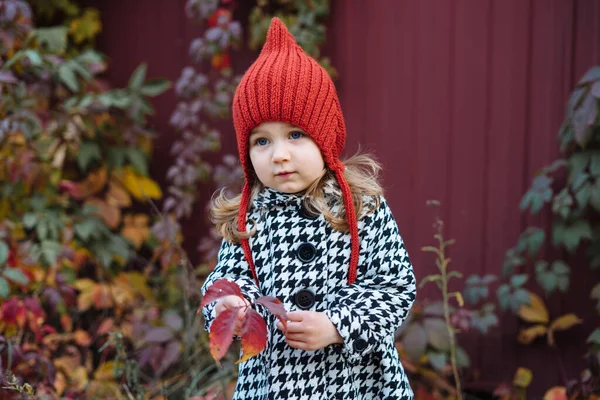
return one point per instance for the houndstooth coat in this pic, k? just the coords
(303, 262)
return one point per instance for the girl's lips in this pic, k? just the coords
(284, 174)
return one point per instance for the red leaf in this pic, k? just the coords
(220, 288)
(221, 332)
(254, 335)
(275, 307)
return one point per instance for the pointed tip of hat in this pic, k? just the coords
(278, 36)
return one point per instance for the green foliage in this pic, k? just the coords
(304, 19)
(513, 295)
(575, 204)
(79, 264)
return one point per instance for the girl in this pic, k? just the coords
(316, 234)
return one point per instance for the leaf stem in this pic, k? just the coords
(442, 264)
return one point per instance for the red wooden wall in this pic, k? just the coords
(461, 100)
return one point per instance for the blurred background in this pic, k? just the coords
(115, 132)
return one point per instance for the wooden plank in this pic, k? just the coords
(432, 125)
(505, 155)
(467, 162)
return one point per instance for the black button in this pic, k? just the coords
(304, 299)
(359, 344)
(306, 252)
(304, 213)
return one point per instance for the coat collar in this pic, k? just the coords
(269, 198)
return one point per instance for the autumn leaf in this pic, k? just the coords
(82, 338)
(105, 371)
(91, 185)
(86, 27)
(562, 323)
(556, 393)
(275, 307)
(140, 186)
(60, 383)
(106, 326)
(536, 312)
(527, 336)
(254, 335)
(523, 377)
(220, 288)
(116, 195)
(102, 296)
(104, 390)
(136, 229)
(86, 287)
(110, 214)
(66, 322)
(221, 332)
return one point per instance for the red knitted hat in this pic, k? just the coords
(284, 84)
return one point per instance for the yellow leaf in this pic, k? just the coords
(527, 336)
(87, 26)
(105, 371)
(4, 208)
(84, 285)
(138, 283)
(79, 378)
(104, 390)
(562, 323)
(84, 301)
(565, 322)
(537, 312)
(139, 186)
(523, 377)
(556, 393)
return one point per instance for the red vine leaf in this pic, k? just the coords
(275, 307)
(254, 335)
(221, 332)
(220, 288)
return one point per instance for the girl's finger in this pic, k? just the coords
(296, 344)
(295, 316)
(296, 337)
(295, 327)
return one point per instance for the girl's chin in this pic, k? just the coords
(289, 189)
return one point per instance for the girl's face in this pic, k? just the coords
(284, 157)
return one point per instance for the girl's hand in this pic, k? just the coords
(230, 302)
(309, 330)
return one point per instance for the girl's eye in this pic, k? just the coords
(296, 135)
(261, 141)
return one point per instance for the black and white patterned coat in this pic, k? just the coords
(304, 263)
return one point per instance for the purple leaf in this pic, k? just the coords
(7, 77)
(171, 354)
(158, 335)
(173, 321)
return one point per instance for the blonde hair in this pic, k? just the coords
(361, 173)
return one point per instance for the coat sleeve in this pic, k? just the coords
(231, 265)
(369, 311)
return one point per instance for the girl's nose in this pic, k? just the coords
(280, 152)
